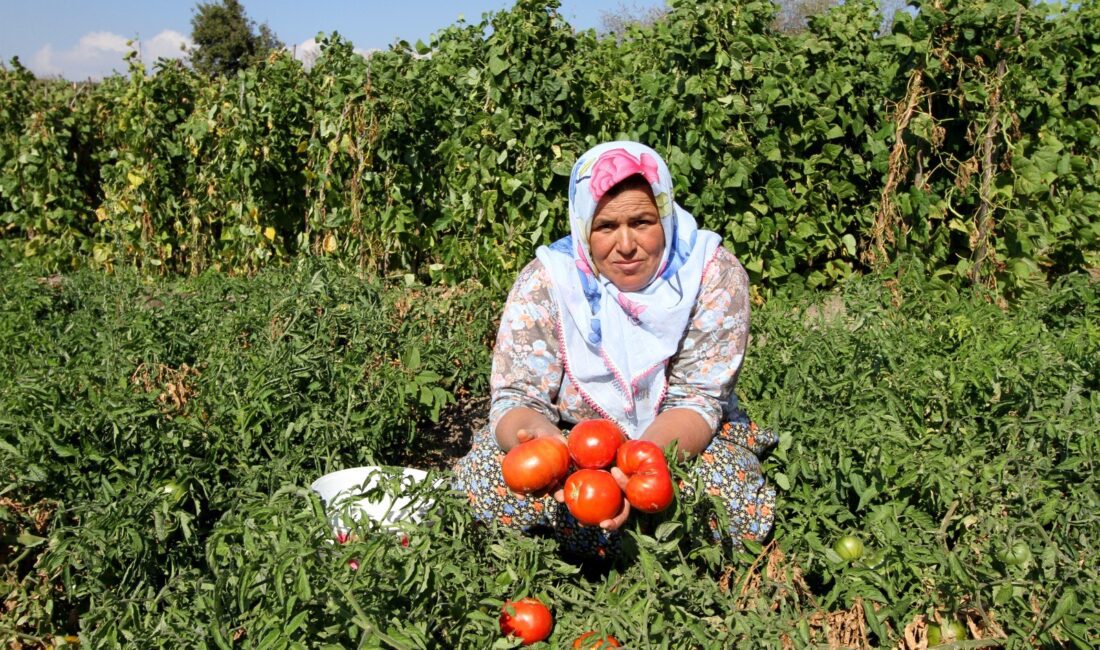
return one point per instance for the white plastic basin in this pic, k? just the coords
(343, 493)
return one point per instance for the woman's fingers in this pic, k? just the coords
(615, 522)
(523, 435)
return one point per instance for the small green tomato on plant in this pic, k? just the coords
(948, 632)
(849, 548)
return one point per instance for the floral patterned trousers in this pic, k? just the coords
(729, 469)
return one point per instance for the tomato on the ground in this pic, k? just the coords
(593, 443)
(592, 496)
(589, 641)
(527, 619)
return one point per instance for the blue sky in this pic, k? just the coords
(80, 39)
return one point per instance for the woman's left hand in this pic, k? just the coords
(618, 520)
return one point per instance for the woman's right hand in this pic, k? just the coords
(522, 424)
(526, 434)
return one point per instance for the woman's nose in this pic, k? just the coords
(625, 242)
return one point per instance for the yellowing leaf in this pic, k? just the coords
(135, 179)
(329, 244)
(269, 232)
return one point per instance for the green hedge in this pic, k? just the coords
(965, 138)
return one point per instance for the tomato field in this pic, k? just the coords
(214, 292)
(159, 438)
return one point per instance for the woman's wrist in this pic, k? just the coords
(687, 429)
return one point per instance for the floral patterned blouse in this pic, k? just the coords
(528, 368)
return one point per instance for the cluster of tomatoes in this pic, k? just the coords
(530, 620)
(591, 493)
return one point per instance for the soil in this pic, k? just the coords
(448, 440)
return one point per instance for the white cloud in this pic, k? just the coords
(98, 54)
(102, 42)
(309, 50)
(169, 44)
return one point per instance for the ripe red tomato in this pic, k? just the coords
(527, 618)
(593, 495)
(593, 443)
(535, 465)
(650, 489)
(588, 641)
(633, 454)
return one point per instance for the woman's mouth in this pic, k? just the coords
(628, 266)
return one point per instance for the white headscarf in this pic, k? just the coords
(616, 344)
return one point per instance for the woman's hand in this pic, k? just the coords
(524, 435)
(618, 520)
(522, 424)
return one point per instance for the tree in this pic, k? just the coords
(226, 40)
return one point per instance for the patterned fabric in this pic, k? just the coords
(615, 345)
(527, 360)
(528, 371)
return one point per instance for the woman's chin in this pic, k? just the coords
(630, 277)
(629, 283)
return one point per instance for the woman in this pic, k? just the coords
(638, 317)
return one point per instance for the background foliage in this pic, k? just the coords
(964, 137)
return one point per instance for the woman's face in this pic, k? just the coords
(627, 240)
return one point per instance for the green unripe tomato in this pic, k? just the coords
(1016, 554)
(849, 548)
(173, 492)
(949, 632)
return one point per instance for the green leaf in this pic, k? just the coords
(497, 65)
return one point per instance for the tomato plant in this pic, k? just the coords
(592, 496)
(849, 548)
(535, 465)
(594, 443)
(873, 559)
(633, 454)
(527, 619)
(590, 641)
